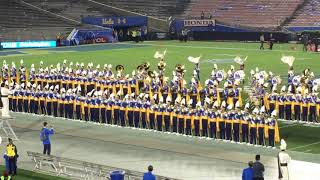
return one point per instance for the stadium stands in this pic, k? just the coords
(256, 13)
(308, 16)
(17, 16)
(18, 22)
(161, 8)
(75, 8)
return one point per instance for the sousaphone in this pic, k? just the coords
(151, 74)
(119, 67)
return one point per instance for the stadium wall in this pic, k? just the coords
(238, 36)
(218, 31)
(299, 29)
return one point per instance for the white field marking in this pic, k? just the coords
(233, 55)
(287, 121)
(290, 125)
(308, 150)
(298, 147)
(312, 125)
(120, 49)
(303, 58)
(207, 47)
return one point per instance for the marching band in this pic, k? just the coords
(149, 100)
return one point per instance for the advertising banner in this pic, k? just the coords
(116, 21)
(28, 44)
(84, 36)
(199, 22)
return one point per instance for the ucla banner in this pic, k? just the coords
(116, 21)
(199, 22)
(28, 44)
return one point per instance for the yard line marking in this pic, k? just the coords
(311, 125)
(208, 47)
(308, 150)
(290, 125)
(298, 147)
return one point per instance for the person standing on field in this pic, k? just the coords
(45, 138)
(261, 42)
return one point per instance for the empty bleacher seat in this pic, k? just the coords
(256, 13)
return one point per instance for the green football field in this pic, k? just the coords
(30, 175)
(132, 54)
(299, 138)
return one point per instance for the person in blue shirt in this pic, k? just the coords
(148, 175)
(6, 160)
(45, 138)
(247, 173)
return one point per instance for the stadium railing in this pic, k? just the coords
(76, 169)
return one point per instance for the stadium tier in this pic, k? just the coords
(161, 9)
(266, 13)
(19, 22)
(73, 9)
(307, 16)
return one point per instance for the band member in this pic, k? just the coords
(136, 110)
(177, 112)
(245, 119)
(271, 128)
(212, 118)
(261, 126)
(236, 123)
(77, 104)
(221, 118)
(312, 99)
(280, 103)
(109, 105)
(167, 116)
(189, 126)
(283, 162)
(304, 106)
(4, 98)
(131, 110)
(23, 98)
(181, 117)
(148, 118)
(288, 104)
(204, 119)
(229, 122)
(159, 114)
(116, 109)
(150, 115)
(272, 98)
(197, 119)
(296, 104)
(122, 111)
(55, 101)
(42, 100)
(253, 127)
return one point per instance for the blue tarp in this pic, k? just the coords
(84, 36)
(116, 21)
